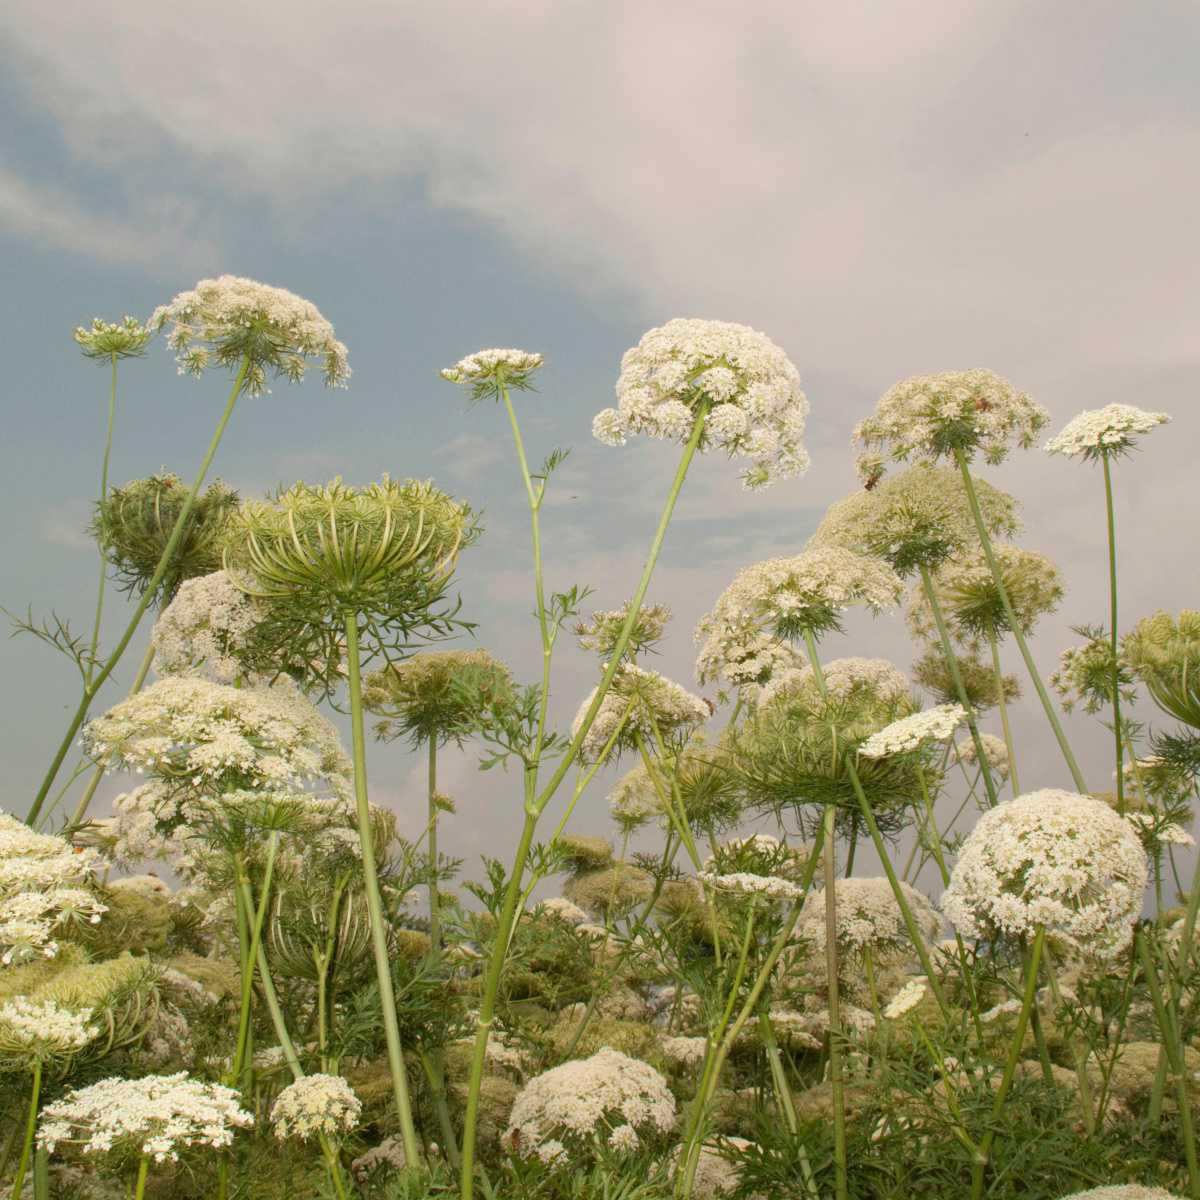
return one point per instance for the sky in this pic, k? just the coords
(884, 189)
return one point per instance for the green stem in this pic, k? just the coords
(164, 564)
(939, 621)
(435, 910)
(1010, 1065)
(435, 1075)
(841, 1167)
(1002, 705)
(383, 970)
(1112, 632)
(334, 1167)
(108, 437)
(260, 913)
(30, 1126)
(989, 553)
(143, 1171)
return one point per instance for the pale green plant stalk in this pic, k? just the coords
(951, 658)
(366, 837)
(142, 1172)
(435, 913)
(989, 553)
(1002, 705)
(239, 1057)
(535, 801)
(164, 563)
(1112, 631)
(108, 438)
(30, 1125)
(982, 1157)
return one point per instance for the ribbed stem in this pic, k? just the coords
(1112, 633)
(1005, 725)
(30, 1126)
(108, 437)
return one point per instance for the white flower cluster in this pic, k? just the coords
(1108, 430)
(747, 884)
(911, 733)
(716, 1176)
(928, 417)
(845, 677)
(757, 409)
(1052, 858)
(744, 656)
(794, 1029)
(157, 1115)
(1151, 832)
(1124, 1191)
(41, 1028)
(229, 318)
(685, 1051)
(490, 364)
(315, 1104)
(868, 917)
(589, 1097)
(994, 750)
(563, 909)
(907, 998)
(42, 889)
(203, 629)
(198, 732)
(657, 701)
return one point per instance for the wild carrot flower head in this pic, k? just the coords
(1085, 672)
(994, 751)
(315, 1104)
(929, 417)
(601, 633)
(436, 694)
(979, 681)
(1164, 652)
(653, 703)
(157, 1116)
(971, 601)
(206, 630)
(229, 319)
(868, 917)
(746, 385)
(486, 372)
(911, 734)
(103, 341)
(918, 518)
(1050, 858)
(133, 524)
(42, 1029)
(1111, 430)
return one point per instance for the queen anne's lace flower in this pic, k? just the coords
(1052, 858)
(757, 409)
(868, 917)
(584, 1098)
(230, 319)
(1164, 653)
(1100, 431)
(883, 681)
(488, 367)
(686, 1051)
(42, 1029)
(564, 910)
(657, 702)
(929, 417)
(1124, 1191)
(205, 629)
(43, 889)
(911, 733)
(994, 750)
(907, 998)
(104, 341)
(157, 1115)
(313, 1105)
(748, 884)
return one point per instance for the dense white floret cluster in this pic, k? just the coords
(868, 917)
(42, 1028)
(229, 319)
(1124, 1191)
(563, 909)
(685, 1051)
(1050, 858)
(911, 733)
(315, 1104)
(204, 629)
(197, 732)
(514, 366)
(657, 702)
(157, 1116)
(844, 678)
(1112, 429)
(746, 883)
(907, 998)
(928, 417)
(573, 1103)
(43, 889)
(994, 751)
(756, 407)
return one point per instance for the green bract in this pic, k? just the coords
(383, 553)
(134, 523)
(1164, 652)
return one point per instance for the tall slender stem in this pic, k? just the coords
(435, 903)
(30, 1126)
(260, 913)
(939, 621)
(383, 969)
(143, 1170)
(108, 437)
(989, 553)
(1112, 632)
(840, 1166)
(160, 572)
(1002, 705)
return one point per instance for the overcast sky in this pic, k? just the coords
(883, 188)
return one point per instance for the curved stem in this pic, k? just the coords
(108, 437)
(989, 553)
(951, 658)
(260, 913)
(383, 969)
(160, 572)
(30, 1126)
(1002, 705)
(1112, 633)
(333, 1166)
